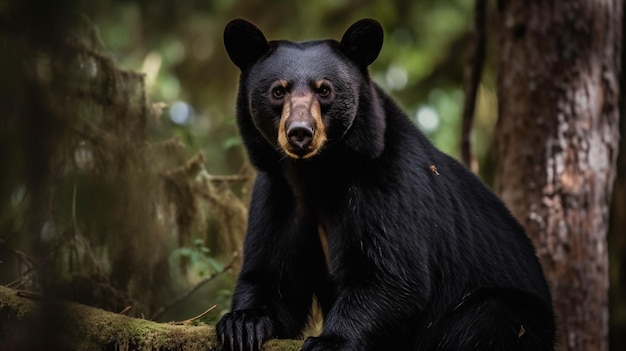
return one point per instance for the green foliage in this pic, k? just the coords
(196, 262)
(179, 46)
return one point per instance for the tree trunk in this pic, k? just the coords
(616, 237)
(556, 144)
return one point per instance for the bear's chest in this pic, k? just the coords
(317, 196)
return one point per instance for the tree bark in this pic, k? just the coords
(616, 237)
(556, 144)
(32, 322)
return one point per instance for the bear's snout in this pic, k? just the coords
(300, 135)
(301, 130)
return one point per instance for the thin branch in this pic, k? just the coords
(20, 281)
(228, 178)
(24, 257)
(182, 297)
(126, 309)
(188, 321)
(472, 80)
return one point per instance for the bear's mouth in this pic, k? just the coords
(300, 153)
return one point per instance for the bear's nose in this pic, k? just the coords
(300, 135)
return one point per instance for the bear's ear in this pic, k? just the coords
(362, 41)
(244, 42)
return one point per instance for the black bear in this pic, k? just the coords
(402, 247)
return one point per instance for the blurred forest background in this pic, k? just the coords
(124, 181)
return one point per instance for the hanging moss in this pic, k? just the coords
(94, 207)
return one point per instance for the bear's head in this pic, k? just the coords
(300, 99)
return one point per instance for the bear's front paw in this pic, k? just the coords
(244, 330)
(325, 343)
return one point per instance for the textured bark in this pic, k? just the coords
(616, 237)
(556, 146)
(617, 244)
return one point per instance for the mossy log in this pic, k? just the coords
(32, 322)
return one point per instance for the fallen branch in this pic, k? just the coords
(34, 322)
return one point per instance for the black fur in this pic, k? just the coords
(422, 255)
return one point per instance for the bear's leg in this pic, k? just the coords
(283, 265)
(490, 320)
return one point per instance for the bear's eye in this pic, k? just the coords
(278, 92)
(324, 91)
